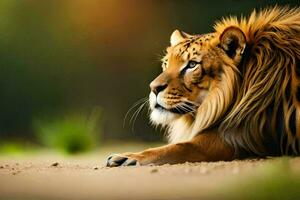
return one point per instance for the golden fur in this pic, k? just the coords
(229, 94)
(258, 86)
(268, 90)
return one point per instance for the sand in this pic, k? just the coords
(89, 179)
(52, 176)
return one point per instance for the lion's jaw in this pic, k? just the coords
(160, 116)
(179, 126)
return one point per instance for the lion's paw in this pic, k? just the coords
(120, 160)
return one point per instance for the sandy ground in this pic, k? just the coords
(85, 177)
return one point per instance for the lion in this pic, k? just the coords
(230, 94)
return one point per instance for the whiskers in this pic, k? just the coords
(135, 110)
(187, 107)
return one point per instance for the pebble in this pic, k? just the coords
(15, 173)
(154, 170)
(96, 168)
(55, 164)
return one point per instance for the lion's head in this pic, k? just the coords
(198, 78)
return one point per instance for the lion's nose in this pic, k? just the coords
(157, 87)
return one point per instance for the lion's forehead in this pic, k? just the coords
(192, 47)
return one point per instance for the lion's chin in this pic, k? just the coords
(162, 117)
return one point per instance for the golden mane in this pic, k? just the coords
(266, 100)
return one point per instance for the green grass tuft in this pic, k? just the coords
(71, 134)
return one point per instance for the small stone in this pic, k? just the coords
(1, 167)
(16, 172)
(55, 164)
(154, 170)
(96, 168)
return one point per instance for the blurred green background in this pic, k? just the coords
(71, 69)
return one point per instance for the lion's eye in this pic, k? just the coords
(192, 64)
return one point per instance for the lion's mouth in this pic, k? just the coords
(181, 109)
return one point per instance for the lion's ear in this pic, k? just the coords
(177, 37)
(233, 42)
